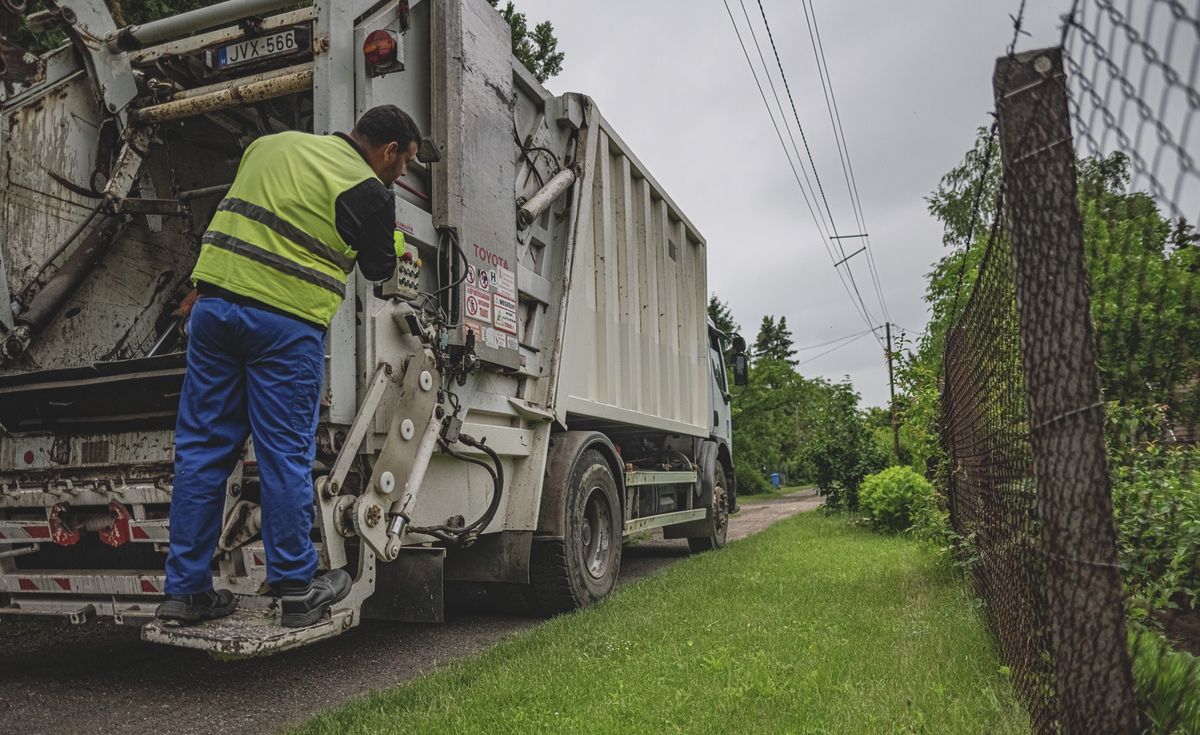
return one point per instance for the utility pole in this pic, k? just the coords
(892, 385)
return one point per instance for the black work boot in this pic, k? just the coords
(305, 604)
(195, 608)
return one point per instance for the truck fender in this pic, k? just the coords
(564, 452)
(725, 457)
(706, 459)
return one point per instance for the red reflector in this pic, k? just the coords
(28, 456)
(380, 48)
(139, 533)
(27, 585)
(148, 586)
(64, 584)
(37, 531)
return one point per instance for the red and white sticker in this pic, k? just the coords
(478, 305)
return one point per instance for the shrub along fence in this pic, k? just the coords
(1023, 425)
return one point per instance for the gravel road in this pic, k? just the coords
(63, 678)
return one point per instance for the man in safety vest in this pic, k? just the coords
(271, 274)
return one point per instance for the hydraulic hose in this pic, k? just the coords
(466, 535)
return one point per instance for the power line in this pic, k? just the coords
(783, 116)
(833, 341)
(810, 15)
(812, 163)
(835, 349)
(792, 164)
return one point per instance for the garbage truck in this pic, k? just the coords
(538, 382)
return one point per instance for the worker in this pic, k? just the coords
(272, 272)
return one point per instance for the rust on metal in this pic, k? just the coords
(61, 532)
(117, 533)
(234, 94)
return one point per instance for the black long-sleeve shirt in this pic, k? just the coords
(365, 217)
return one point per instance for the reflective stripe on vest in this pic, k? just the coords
(288, 230)
(274, 238)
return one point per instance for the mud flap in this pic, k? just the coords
(409, 589)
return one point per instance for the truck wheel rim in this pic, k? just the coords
(596, 535)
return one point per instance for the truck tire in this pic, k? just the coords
(718, 526)
(581, 568)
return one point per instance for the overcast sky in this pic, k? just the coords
(912, 80)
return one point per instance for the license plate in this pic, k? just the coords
(279, 43)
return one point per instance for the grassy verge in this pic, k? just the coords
(812, 626)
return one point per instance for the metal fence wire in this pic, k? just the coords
(1071, 376)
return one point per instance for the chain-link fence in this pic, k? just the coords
(1072, 373)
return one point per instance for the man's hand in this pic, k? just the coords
(185, 309)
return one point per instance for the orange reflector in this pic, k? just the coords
(380, 48)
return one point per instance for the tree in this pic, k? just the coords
(125, 12)
(537, 49)
(841, 449)
(769, 424)
(721, 315)
(1145, 293)
(774, 341)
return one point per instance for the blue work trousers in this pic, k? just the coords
(250, 372)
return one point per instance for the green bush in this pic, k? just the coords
(1164, 684)
(1156, 501)
(894, 498)
(841, 449)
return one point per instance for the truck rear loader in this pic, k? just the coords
(538, 382)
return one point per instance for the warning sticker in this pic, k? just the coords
(470, 275)
(479, 305)
(484, 280)
(505, 303)
(505, 314)
(512, 342)
(506, 283)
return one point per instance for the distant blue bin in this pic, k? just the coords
(775, 479)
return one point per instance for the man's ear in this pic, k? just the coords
(391, 150)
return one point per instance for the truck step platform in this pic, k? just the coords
(247, 633)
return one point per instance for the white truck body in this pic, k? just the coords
(557, 315)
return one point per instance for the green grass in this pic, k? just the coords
(810, 627)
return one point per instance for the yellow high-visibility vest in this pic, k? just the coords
(274, 238)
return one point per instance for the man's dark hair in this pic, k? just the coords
(386, 123)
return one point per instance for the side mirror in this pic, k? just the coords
(739, 344)
(427, 151)
(741, 369)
